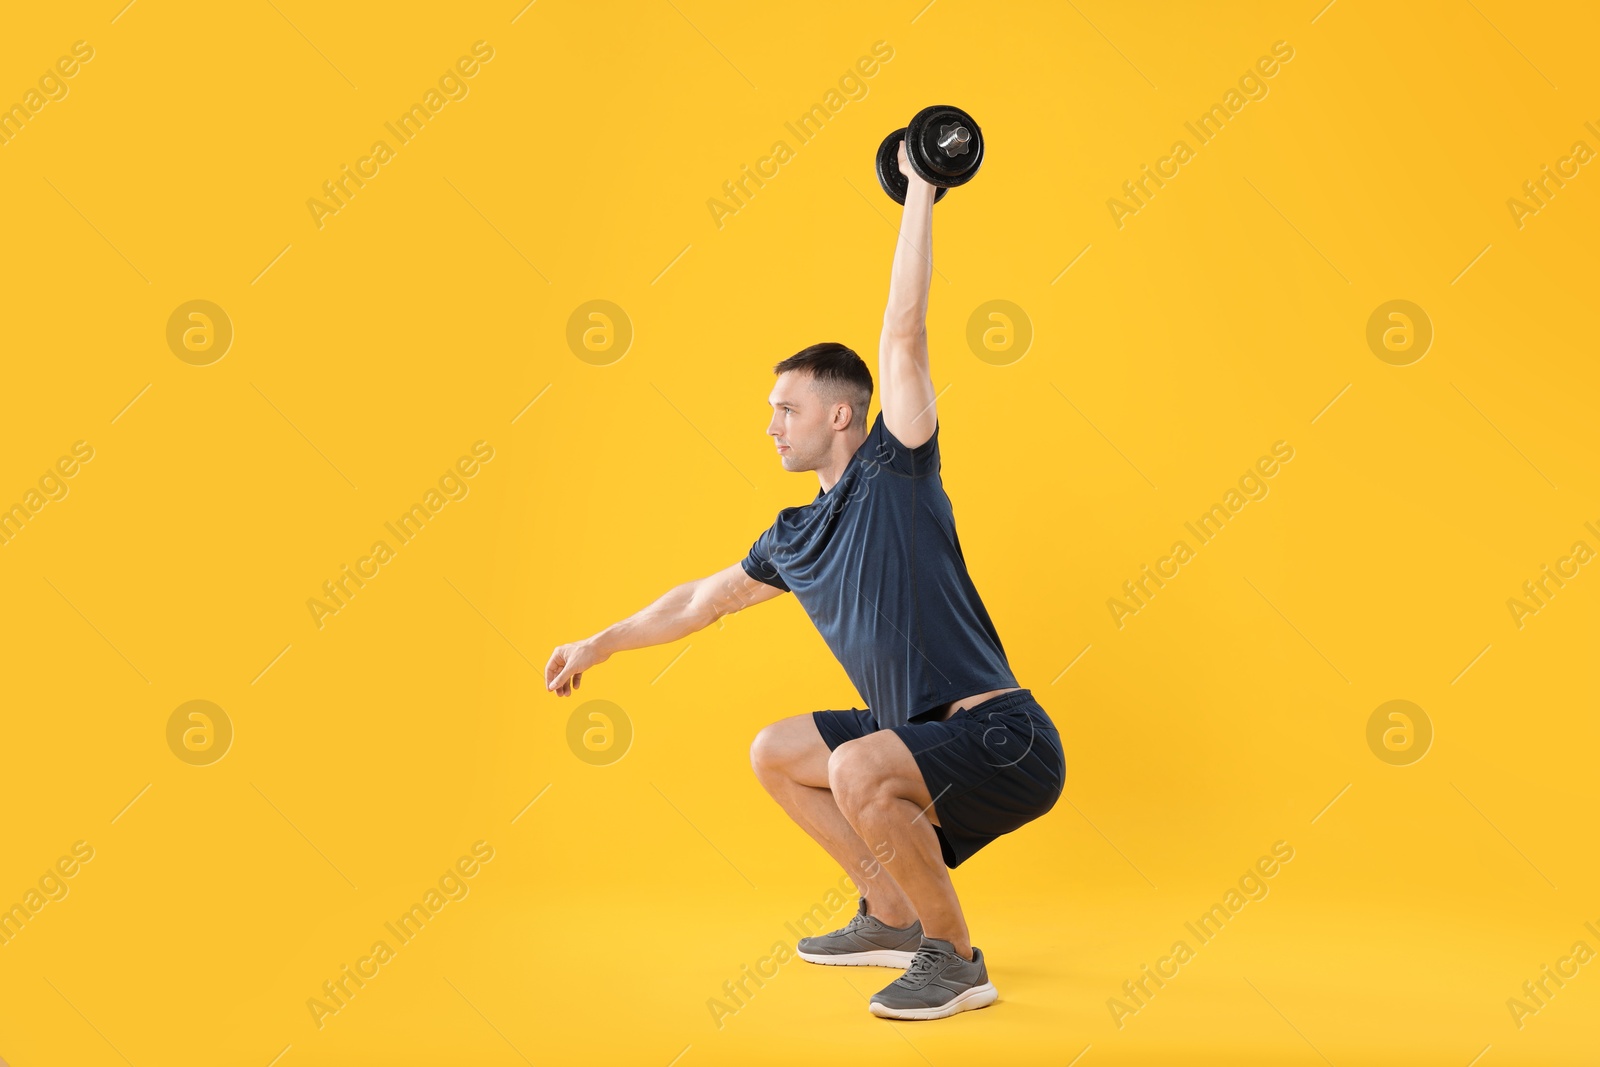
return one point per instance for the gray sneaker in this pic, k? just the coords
(864, 941)
(938, 983)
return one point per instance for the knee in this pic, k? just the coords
(855, 785)
(767, 754)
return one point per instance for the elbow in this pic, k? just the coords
(703, 610)
(905, 327)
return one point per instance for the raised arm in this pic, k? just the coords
(676, 613)
(905, 381)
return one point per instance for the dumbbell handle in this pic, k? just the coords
(958, 136)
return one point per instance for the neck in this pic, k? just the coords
(844, 448)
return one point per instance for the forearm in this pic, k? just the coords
(675, 614)
(907, 310)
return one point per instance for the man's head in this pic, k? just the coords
(819, 406)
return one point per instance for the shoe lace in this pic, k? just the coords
(859, 919)
(923, 966)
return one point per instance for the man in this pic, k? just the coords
(950, 752)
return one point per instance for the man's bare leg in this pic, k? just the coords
(879, 787)
(791, 762)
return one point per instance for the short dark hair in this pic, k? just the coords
(837, 373)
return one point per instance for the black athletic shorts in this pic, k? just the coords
(989, 768)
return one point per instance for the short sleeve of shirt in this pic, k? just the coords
(758, 563)
(886, 449)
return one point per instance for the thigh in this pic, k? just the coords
(881, 761)
(801, 748)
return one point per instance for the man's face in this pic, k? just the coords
(799, 425)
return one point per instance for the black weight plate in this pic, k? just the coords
(929, 160)
(888, 165)
(922, 143)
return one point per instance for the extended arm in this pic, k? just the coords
(676, 613)
(904, 378)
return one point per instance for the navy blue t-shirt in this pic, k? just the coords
(876, 563)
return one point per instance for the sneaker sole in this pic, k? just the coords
(980, 996)
(883, 957)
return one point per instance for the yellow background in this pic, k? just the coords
(369, 354)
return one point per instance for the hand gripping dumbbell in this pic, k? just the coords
(945, 148)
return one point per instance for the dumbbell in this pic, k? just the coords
(944, 146)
